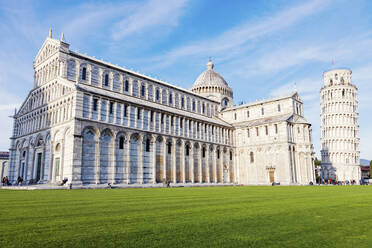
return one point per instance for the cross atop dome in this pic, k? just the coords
(210, 65)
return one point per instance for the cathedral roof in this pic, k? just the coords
(210, 78)
(273, 119)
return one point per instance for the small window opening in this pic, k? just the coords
(95, 104)
(125, 110)
(84, 76)
(121, 143)
(147, 145)
(106, 80)
(157, 95)
(142, 90)
(187, 150)
(111, 107)
(169, 148)
(126, 86)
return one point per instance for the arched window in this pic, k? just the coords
(126, 86)
(218, 154)
(278, 107)
(84, 74)
(231, 155)
(106, 79)
(203, 108)
(203, 152)
(121, 143)
(182, 102)
(343, 93)
(262, 111)
(235, 116)
(251, 157)
(193, 105)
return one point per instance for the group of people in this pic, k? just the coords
(5, 181)
(335, 182)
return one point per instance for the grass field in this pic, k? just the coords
(334, 216)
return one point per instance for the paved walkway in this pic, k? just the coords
(114, 186)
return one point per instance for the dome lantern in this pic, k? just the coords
(210, 65)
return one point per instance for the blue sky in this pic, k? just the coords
(261, 48)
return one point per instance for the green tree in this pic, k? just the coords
(318, 162)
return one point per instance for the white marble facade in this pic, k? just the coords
(92, 122)
(340, 130)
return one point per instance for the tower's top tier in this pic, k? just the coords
(337, 77)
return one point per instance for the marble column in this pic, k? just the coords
(127, 159)
(77, 71)
(164, 165)
(97, 161)
(113, 161)
(191, 162)
(182, 162)
(214, 166)
(207, 174)
(153, 160)
(140, 159)
(173, 161)
(200, 169)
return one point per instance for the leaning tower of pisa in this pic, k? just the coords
(339, 126)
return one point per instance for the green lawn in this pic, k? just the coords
(334, 216)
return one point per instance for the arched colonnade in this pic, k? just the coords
(142, 158)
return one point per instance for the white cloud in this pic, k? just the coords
(8, 103)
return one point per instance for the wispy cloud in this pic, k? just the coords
(237, 37)
(154, 13)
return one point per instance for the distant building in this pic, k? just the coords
(365, 170)
(4, 161)
(93, 122)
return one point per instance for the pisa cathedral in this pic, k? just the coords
(93, 122)
(340, 130)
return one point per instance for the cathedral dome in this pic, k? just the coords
(212, 85)
(209, 78)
